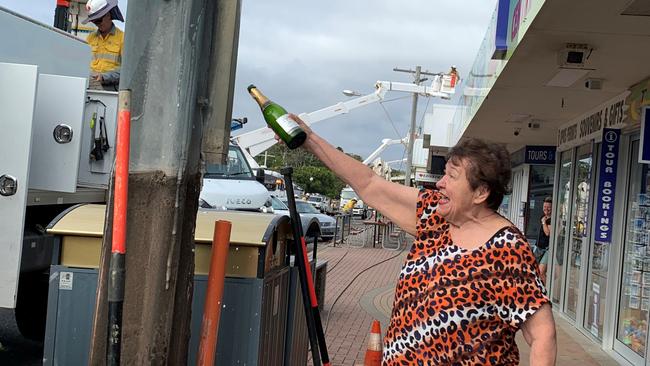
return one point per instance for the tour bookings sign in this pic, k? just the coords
(607, 185)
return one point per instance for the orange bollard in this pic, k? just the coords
(374, 351)
(214, 294)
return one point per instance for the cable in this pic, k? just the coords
(388, 115)
(394, 99)
(390, 120)
(424, 114)
(329, 312)
(339, 261)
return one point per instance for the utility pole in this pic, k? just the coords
(409, 150)
(179, 63)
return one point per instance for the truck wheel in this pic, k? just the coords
(31, 305)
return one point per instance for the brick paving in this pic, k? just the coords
(347, 322)
(359, 301)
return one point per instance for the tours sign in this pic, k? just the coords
(607, 185)
(590, 125)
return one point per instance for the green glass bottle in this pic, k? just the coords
(278, 120)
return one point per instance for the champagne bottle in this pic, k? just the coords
(278, 120)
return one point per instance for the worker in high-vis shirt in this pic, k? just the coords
(349, 206)
(106, 43)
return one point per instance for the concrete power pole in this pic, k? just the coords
(409, 150)
(179, 61)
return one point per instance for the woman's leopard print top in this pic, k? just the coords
(456, 306)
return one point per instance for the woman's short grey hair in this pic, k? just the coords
(488, 164)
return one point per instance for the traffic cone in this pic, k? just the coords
(374, 351)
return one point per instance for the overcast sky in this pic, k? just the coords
(301, 54)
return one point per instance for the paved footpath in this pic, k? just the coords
(359, 289)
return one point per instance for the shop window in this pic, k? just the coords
(596, 288)
(580, 229)
(634, 302)
(560, 232)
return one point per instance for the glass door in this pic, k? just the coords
(562, 214)
(634, 298)
(540, 186)
(596, 285)
(579, 228)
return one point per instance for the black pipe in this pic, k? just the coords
(314, 323)
(115, 304)
(61, 17)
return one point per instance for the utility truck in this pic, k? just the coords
(56, 150)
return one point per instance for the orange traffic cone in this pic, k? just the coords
(374, 351)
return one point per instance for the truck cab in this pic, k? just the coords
(233, 185)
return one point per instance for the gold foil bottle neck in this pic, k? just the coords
(258, 96)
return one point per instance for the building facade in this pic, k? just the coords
(571, 80)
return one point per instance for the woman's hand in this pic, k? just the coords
(301, 123)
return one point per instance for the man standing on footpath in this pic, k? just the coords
(543, 238)
(106, 43)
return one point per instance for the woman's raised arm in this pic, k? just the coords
(395, 201)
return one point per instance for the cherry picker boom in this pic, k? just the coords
(257, 141)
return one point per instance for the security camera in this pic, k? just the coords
(594, 84)
(574, 55)
(533, 125)
(516, 132)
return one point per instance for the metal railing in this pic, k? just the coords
(342, 228)
(360, 234)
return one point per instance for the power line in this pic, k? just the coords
(390, 120)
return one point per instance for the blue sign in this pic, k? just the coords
(539, 154)
(501, 36)
(644, 151)
(607, 185)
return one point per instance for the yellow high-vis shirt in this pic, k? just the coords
(107, 53)
(349, 206)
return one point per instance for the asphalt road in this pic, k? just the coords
(14, 349)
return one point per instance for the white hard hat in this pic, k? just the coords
(98, 8)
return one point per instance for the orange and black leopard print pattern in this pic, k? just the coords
(456, 306)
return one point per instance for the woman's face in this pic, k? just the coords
(457, 195)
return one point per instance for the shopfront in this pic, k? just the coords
(599, 275)
(531, 182)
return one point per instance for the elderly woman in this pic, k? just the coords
(470, 280)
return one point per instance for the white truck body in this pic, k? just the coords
(43, 79)
(43, 82)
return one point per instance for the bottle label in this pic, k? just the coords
(288, 124)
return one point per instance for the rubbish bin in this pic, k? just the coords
(256, 298)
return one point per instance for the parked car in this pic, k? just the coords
(313, 222)
(319, 202)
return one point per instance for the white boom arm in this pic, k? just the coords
(384, 144)
(257, 141)
(396, 161)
